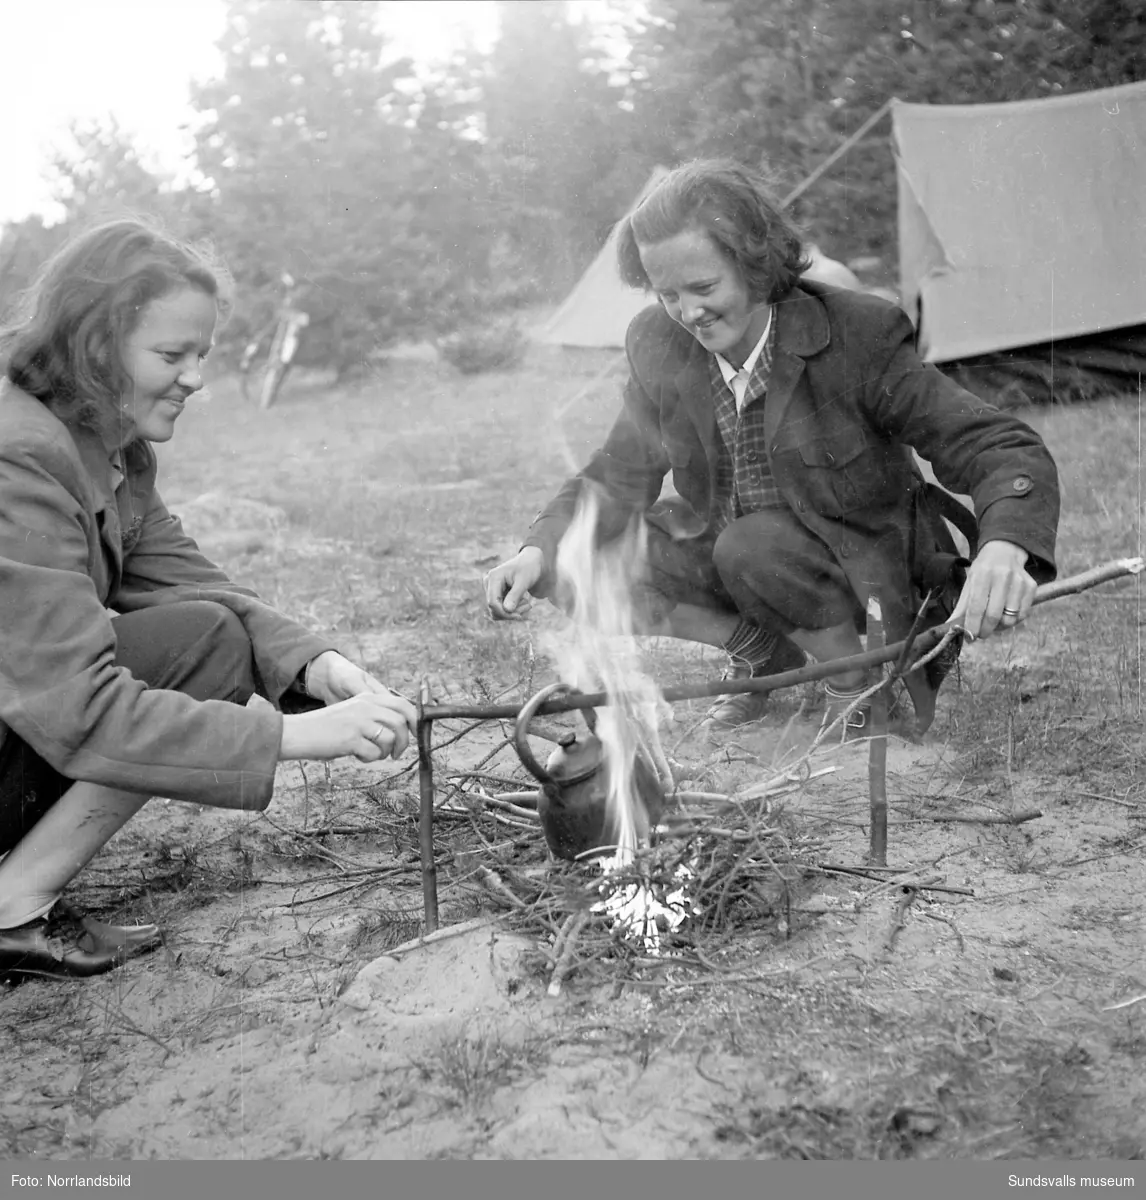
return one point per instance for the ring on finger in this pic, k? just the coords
(1010, 612)
(374, 739)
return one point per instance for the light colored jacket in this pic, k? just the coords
(70, 550)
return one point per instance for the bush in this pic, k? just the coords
(496, 347)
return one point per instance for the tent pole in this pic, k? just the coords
(832, 158)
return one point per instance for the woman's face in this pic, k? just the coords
(705, 292)
(163, 357)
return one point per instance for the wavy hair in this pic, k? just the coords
(87, 299)
(734, 205)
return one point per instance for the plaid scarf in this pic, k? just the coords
(743, 475)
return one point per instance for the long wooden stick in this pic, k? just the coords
(426, 816)
(925, 641)
(877, 751)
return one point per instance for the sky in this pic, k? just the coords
(134, 60)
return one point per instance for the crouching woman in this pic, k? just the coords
(787, 413)
(126, 657)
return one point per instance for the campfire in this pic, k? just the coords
(599, 653)
(653, 864)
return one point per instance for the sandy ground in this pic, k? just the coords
(266, 1028)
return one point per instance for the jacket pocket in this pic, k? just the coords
(829, 455)
(840, 477)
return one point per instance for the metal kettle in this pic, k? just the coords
(572, 803)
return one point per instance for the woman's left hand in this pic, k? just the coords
(998, 593)
(330, 678)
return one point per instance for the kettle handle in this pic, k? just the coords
(521, 742)
(526, 714)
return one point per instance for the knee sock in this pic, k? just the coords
(751, 644)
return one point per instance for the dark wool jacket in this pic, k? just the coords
(847, 401)
(70, 550)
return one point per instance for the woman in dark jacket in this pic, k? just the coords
(787, 413)
(126, 657)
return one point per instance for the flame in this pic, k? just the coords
(601, 654)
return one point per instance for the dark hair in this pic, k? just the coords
(734, 205)
(85, 302)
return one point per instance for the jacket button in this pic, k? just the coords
(844, 550)
(800, 506)
(1022, 484)
(750, 455)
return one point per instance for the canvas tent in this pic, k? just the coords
(598, 310)
(1022, 232)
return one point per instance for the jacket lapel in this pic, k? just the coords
(694, 388)
(801, 331)
(97, 465)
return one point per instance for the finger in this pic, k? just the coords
(376, 744)
(1020, 596)
(393, 731)
(495, 589)
(992, 612)
(499, 612)
(968, 612)
(405, 709)
(517, 600)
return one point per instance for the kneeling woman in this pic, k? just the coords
(126, 657)
(787, 412)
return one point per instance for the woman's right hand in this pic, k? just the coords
(370, 726)
(507, 586)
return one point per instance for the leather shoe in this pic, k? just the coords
(857, 724)
(742, 708)
(67, 944)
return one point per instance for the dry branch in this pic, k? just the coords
(440, 935)
(494, 883)
(1029, 814)
(1125, 1003)
(877, 875)
(563, 949)
(950, 922)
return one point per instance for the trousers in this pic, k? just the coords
(196, 647)
(765, 566)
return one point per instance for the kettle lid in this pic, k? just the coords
(575, 759)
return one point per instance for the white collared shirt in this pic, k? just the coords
(737, 380)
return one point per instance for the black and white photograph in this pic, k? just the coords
(571, 589)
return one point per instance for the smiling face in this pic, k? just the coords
(705, 292)
(163, 357)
